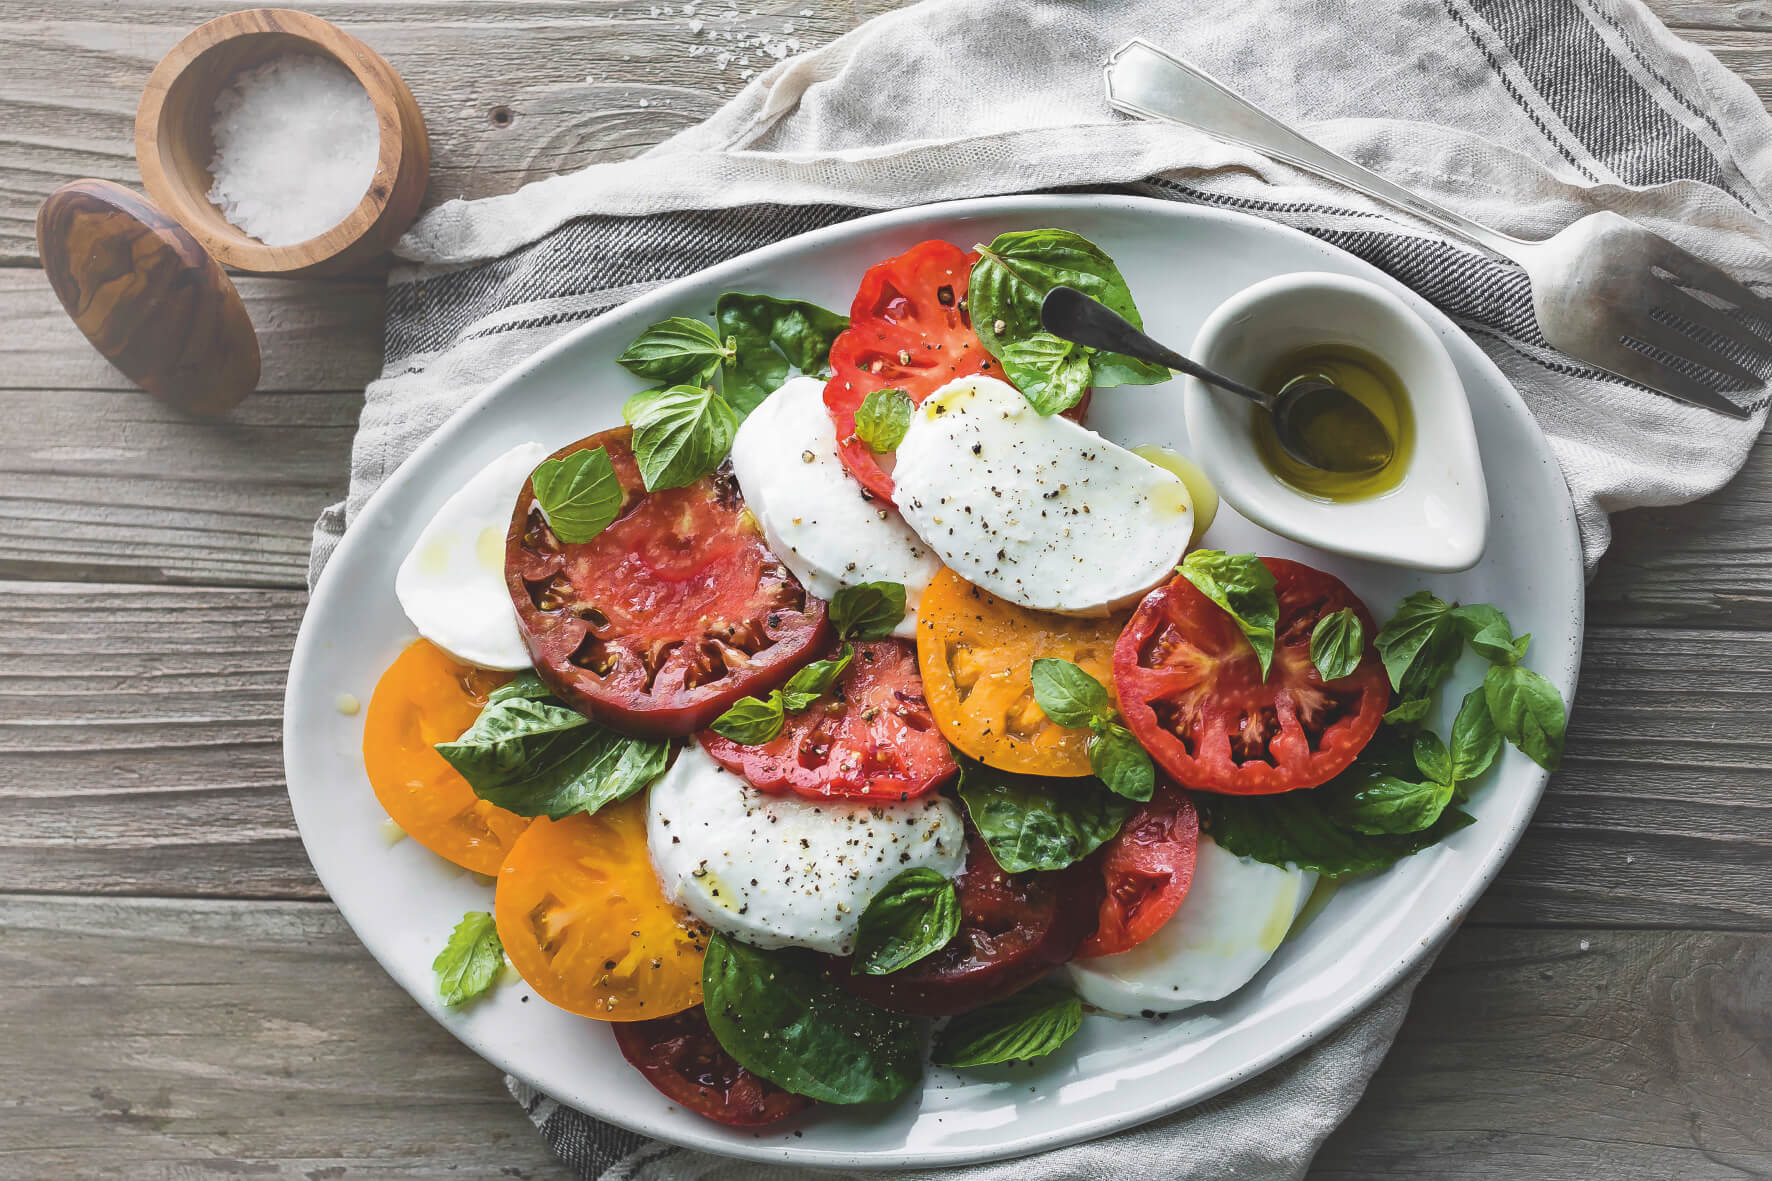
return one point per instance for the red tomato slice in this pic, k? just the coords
(908, 328)
(1014, 928)
(679, 1056)
(1147, 869)
(873, 738)
(669, 615)
(1190, 689)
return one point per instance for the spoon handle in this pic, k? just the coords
(1068, 313)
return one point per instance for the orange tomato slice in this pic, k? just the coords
(586, 925)
(424, 698)
(976, 653)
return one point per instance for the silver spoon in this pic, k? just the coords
(1318, 424)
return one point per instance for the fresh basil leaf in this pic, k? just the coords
(1432, 758)
(1527, 711)
(1388, 805)
(1337, 644)
(525, 685)
(1409, 712)
(1068, 695)
(1475, 740)
(815, 680)
(471, 961)
(1299, 828)
(868, 610)
(580, 494)
(1244, 587)
(1013, 275)
(883, 419)
(1421, 618)
(779, 1015)
(531, 755)
(752, 721)
(1031, 823)
(1433, 663)
(680, 435)
(914, 916)
(1489, 634)
(1052, 373)
(677, 351)
(1120, 762)
(772, 338)
(1031, 1024)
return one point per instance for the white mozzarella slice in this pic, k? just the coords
(452, 583)
(783, 870)
(1037, 509)
(813, 514)
(1236, 913)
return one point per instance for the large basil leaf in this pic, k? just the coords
(1034, 823)
(531, 755)
(912, 917)
(579, 494)
(774, 337)
(677, 351)
(1052, 373)
(680, 434)
(470, 962)
(1528, 711)
(1420, 644)
(1244, 587)
(1031, 1024)
(781, 1018)
(1475, 741)
(1009, 281)
(1296, 828)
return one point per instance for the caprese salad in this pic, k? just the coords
(854, 681)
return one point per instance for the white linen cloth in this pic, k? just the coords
(1524, 114)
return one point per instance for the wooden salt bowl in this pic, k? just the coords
(173, 145)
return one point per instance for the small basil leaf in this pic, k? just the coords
(471, 961)
(1387, 805)
(1337, 644)
(1421, 618)
(1431, 757)
(914, 916)
(1409, 712)
(1031, 1024)
(1488, 633)
(883, 419)
(1433, 663)
(680, 435)
(525, 685)
(1068, 695)
(677, 351)
(1032, 823)
(1475, 741)
(1120, 762)
(1051, 372)
(772, 338)
(1243, 586)
(867, 611)
(579, 493)
(752, 721)
(1527, 711)
(782, 1018)
(529, 754)
(815, 680)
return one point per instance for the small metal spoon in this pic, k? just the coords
(1307, 411)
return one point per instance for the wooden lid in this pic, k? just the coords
(148, 296)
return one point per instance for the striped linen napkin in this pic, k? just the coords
(1524, 115)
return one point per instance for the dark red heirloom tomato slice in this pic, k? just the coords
(669, 615)
(679, 1056)
(1014, 928)
(1147, 869)
(873, 738)
(1190, 689)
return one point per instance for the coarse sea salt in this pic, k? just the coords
(296, 142)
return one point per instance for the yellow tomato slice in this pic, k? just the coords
(424, 698)
(976, 653)
(586, 925)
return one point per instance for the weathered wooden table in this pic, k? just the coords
(177, 997)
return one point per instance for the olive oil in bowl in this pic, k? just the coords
(1370, 382)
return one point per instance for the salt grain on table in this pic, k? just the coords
(296, 142)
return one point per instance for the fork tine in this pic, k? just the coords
(1678, 302)
(1695, 272)
(1646, 370)
(1671, 340)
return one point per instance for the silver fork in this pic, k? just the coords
(1605, 289)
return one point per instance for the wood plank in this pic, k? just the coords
(511, 91)
(140, 726)
(1624, 1054)
(196, 1037)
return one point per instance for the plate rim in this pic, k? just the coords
(680, 1127)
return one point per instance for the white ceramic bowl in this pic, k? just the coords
(1437, 517)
